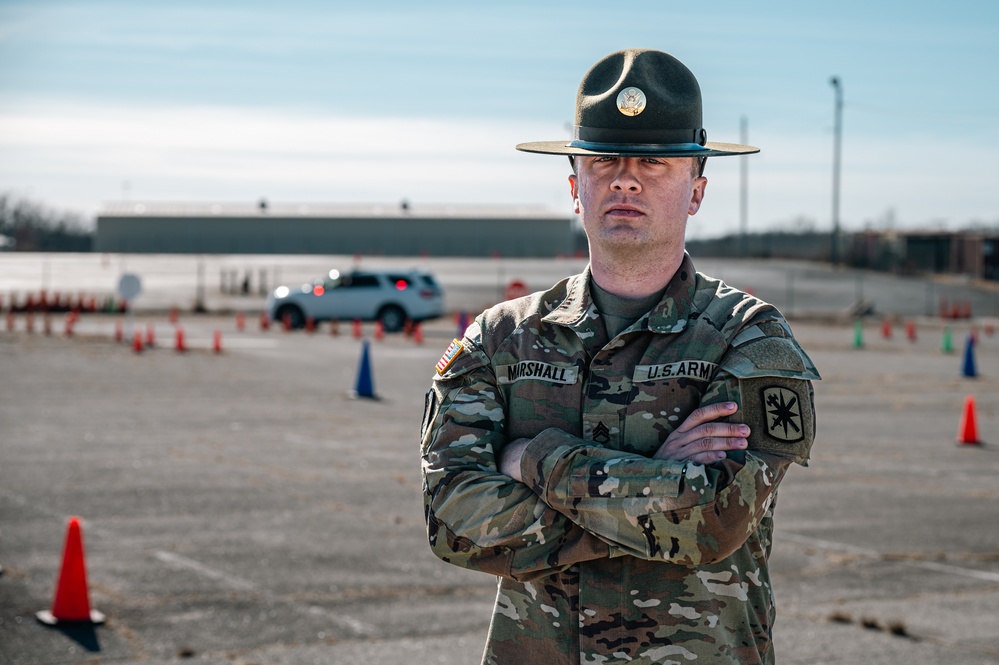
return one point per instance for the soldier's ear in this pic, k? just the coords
(697, 195)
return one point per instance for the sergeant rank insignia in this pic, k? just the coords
(783, 414)
(601, 433)
(449, 356)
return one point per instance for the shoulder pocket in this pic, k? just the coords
(768, 356)
(776, 398)
(449, 384)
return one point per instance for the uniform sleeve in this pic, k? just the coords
(477, 517)
(689, 514)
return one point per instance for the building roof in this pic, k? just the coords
(324, 210)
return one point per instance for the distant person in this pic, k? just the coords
(611, 448)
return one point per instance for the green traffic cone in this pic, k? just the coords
(858, 334)
(947, 344)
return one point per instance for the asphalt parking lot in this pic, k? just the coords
(241, 507)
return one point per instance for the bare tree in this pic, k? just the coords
(28, 226)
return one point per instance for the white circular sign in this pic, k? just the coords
(129, 286)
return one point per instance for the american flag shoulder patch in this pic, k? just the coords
(449, 356)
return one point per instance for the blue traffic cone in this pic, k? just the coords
(365, 386)
(969, 358)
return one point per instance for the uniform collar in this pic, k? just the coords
(670, 315)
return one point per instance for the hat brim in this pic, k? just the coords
(709, 149)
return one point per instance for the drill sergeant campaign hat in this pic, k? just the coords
(638, 103)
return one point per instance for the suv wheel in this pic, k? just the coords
(393, 318)
(294, 313)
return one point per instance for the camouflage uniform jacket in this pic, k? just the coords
(605, 555)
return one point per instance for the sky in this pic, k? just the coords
(379, 102)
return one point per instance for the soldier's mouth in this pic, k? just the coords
(625, 211)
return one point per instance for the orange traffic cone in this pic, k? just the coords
(418, 333)
(173, 315)
(179, 344)
(217, 341)
(886, 329)
(310, 324)
(71, 602)
(265, 321)
(967, 433)
(150, 335)
(910, 330)
(240, 321)
(357, 329)
(379, 331)
(137, 341)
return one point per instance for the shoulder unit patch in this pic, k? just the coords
(783, 411)
(449, 356)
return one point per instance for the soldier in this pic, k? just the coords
(611, 448)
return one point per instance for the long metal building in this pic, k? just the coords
(402, 230)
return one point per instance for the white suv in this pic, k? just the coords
(369, 295)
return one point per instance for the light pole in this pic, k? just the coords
(743, 191)
(837, 140)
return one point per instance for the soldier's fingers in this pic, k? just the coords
(703, 449)
(712, 430)
(707, 458)
(715, 444)
(704, 433)
(706, 414)
(706, 451)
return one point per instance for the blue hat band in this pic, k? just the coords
(650, 148)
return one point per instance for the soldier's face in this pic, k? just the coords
(631, 202)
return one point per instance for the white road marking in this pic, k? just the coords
(357, 626)
(205, 571)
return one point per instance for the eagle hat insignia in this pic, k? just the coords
(783, 414)
(631, 101)
(449, 356)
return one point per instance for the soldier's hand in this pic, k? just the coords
(700, 438)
